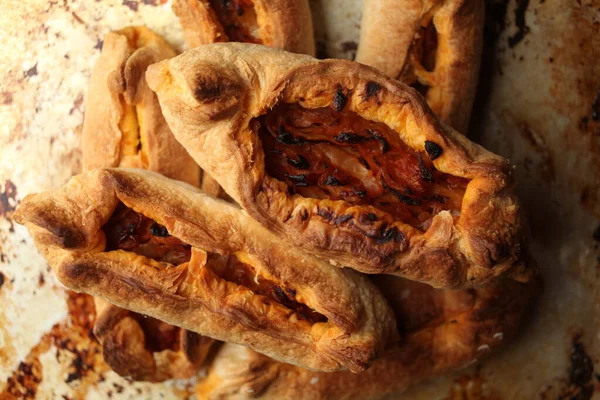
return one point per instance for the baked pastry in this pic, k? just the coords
(434, 46)
(345, 162)
(165, 249)
(443, 330)
(124, 126)
(285, 24)
(146, 349)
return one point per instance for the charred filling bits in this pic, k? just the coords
(238, 19)
(324, 153)
(131, 231)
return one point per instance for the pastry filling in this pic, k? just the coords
(329, 153)
(238, 19)
(131, 231)
(422, 56)
(425, 46)
(129, 125)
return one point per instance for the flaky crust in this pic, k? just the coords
(118, 87)
(284, 24)
(210, 94)
(388, 30)
(445, 330)
(66, 227)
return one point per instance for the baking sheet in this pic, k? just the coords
(538, 104)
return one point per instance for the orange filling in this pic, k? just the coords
(422, 55)
(131, 231)
(231, 269)
(238, 19)
(328, 153)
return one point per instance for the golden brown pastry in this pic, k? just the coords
(285, 24)
(147, 349)
(346, 162)
(163, 248)
(442, 330)
(124, 126)
(432, 45)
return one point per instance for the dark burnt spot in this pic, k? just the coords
(2, 279)
(367, 218)
(522, 28)
(31, 71)
(433, 150)
(285, 137)
(131, 4)
(211, 88)
(387, 234)
(596, 107)
(596, 234)
(41, 280)
(118, 388)
(99, 44)
(291, 292)
(68, 237)
(364, 162)
(73, 376)
(339, 99)
(385, 146)
(350, 138)
(425, 173)
(581, 372)
(300, 163)
(331, 180)
(158, 230)
(300, 180)
(341, 219)
(153, 3)
(371, 90)
(404, 198)
(325, 214)
(8, 198)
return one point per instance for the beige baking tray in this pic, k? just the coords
(538, 104)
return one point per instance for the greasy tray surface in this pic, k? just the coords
(541, 111)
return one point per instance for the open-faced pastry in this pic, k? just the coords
(443, 330)
(434, 46)
(346, 162)
(123, 124)
(285, 24)
(165, 249)
(123, 127)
